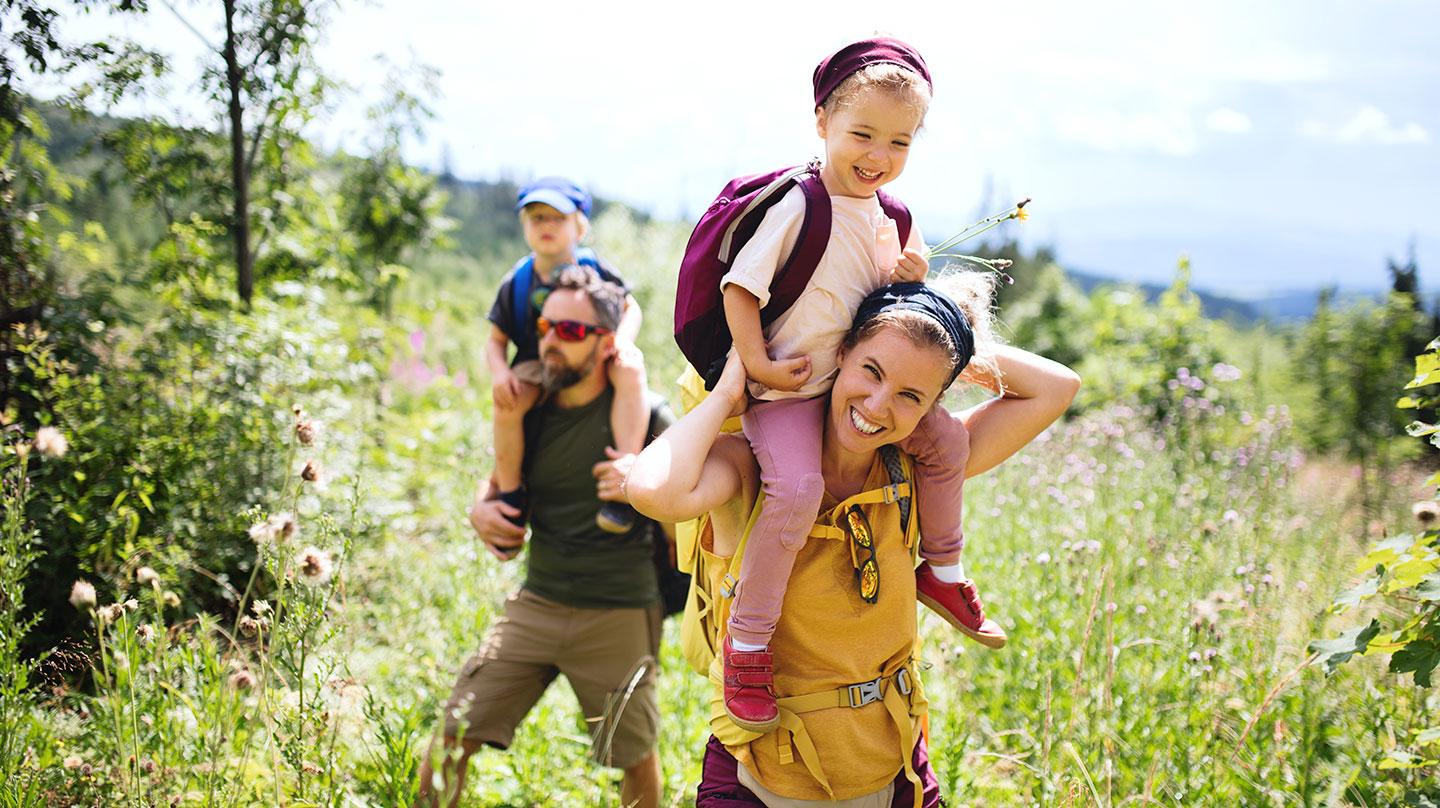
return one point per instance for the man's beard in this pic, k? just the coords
(558, 376)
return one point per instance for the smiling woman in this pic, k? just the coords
(850, 697)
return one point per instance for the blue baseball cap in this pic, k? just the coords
(557, 192)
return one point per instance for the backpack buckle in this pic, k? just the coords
(727, 586)
(902, 681)
(862, 693)
(891, 492)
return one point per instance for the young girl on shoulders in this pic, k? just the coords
(870, 101)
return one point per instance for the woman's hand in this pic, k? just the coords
(731, 387)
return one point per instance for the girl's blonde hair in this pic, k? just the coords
(900, 82)
(973, 292)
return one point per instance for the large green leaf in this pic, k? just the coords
(1429, 588)
(1352, 597)
(1418, 657)
(1410, 572)
(1386, 552)
(1336, 652)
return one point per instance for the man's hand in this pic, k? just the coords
(912, 267)
(610, 475)
(503, 537)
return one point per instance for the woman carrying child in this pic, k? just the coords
(870, 101)
(851, 701)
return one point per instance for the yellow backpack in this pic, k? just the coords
(713, 579)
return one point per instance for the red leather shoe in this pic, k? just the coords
(960, 605)
(749, 688)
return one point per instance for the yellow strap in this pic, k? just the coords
(900, 714)
(885, 493)
(808, 755)
(732, 573)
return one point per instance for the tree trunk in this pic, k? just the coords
(240, 175)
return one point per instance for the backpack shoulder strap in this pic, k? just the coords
(585, 256)
(791, 277)
(732, 574)
(896, 468)
(520, 288)
(897, 211)
(901, 471)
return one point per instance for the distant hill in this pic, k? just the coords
(1215, 306)
(1299, 305)
(1293, 306)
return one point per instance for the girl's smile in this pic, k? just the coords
(866, 142)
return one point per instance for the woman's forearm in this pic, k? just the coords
(1036, 391)
(677, 476)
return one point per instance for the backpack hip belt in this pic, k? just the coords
(896, 692)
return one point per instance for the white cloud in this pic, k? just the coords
(1369, 125)
(1228, 121)
(1111, 130)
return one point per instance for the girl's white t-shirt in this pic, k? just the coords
(849, 270)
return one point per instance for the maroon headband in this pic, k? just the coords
(851, 58)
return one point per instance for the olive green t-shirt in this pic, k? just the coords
(572, 561)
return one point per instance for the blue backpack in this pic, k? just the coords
(730, 221)
(525, 275)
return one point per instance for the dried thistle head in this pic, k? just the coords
(50, 442)
(145, 576)
(82, 596)
(242, 680)
(311, 473)
(314, 565)
(249, 627)
(306, 431)
(1426, 512)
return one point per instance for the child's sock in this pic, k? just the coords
(948, 573)
(745, 646)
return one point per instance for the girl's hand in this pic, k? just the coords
(505, 389)
(783, 374)
(912, 267)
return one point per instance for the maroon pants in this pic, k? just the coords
(720, 784)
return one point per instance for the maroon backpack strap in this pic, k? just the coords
(897, 211)
(792, 276)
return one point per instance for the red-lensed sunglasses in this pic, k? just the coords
(568, 330)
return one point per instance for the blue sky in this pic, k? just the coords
(1280, 145)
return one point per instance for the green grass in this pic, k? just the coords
(1159, 582)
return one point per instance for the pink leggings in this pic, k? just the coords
(785, 437)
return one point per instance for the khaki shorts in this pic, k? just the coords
(598, 650)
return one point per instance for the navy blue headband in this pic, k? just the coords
(919, 297)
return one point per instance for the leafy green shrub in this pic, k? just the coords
(1404, 572)
(173, 434)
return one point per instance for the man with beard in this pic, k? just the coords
(590, 604)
